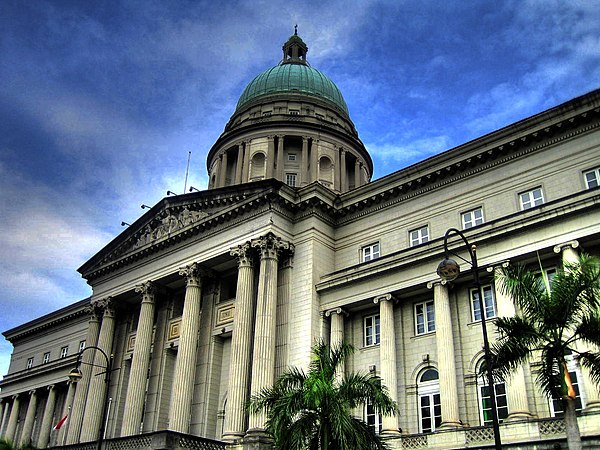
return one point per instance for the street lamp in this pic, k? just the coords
(448, 270)
(75, 375)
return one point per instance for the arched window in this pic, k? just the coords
(257, 167)
(485, 404)
(430, 408)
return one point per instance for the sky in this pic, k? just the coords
(102, 101)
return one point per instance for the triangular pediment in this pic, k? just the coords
(174, 219)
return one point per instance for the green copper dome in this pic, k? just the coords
(293, 78)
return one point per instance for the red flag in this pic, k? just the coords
(60, 423)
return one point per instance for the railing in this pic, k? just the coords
(151, 441)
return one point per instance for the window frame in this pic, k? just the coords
(420, 237)
(46, 358)
(475, 221)
(64, 352)
(577, 378)
(372, 418)
(427, 328)
(475, 303)
(291, 176)
(371, 250)
(430, 390)
(374, 335)
(596, 173)
(291, 157)
(81, 346)
(502, 408)
(531, 198)
(29, 363)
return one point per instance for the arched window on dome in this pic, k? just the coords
(326, 171)
(257, 167)
(430, 406)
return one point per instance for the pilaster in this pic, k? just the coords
(304, 179)
(280, 159)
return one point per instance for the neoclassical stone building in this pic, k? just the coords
(210, 295)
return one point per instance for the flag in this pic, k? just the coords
(60, 423)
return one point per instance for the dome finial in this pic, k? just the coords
(296, 30)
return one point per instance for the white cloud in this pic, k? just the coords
(409, 151)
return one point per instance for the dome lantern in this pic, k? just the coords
(294, 50)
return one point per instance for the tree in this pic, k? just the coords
(557, 317)
(5, 444)
(314, 410)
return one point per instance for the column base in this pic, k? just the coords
(233, 437)
(390, 433)
(450, 424)
(519, 415)
(257, 439)
(592, 407)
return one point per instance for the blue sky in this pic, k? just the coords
(100, 102)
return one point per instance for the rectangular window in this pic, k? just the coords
(486, 404)
(531, 198)
(425, 317)
(472, 218)
(488, 303)
(592, 178)
(30, 363)
(556, 406)
(370, 252)
(46, 358)
(430, 407)
(372, 418)
(290, 179)
(372, 330)
(81, 345)
(291, 157)
(64, 351)
(419, 236)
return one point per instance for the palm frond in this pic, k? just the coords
(591, 361)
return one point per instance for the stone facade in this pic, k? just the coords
(210, 295)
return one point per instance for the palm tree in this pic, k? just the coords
(314, 410)
(557, 318)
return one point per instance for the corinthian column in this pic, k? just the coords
(29, 419)
(87, 358)
(263, 360)
(304, 177)
(343, 171)
(223, 170)
(11, 428)
(47, 418)
(314, 160)
(515, 386)
(92, 420)
(185, 367)
(136, 390)
(67, 408)
(387, 352)
(445, 349)
(241, 340)
(239, 163)
(270, 161)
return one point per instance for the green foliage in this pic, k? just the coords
(8, 445)
(553, 322)
(314, 410)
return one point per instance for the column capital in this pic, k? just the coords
(16, 396)
(271, 137)
(239, 144)
(570, 244)
(148, 291)
(243, 253)
(305, 138)
(498, 265)
(281, 136)
(384, 298)
(432, 284)
(270, 246)
(32, 392)
(339, 311)
(50, 387)
(106, 305)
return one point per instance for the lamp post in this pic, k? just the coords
(75, 375)
(448, 270)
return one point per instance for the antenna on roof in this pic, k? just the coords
(187, 170)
